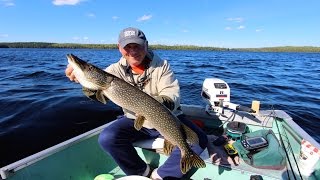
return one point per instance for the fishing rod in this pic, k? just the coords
(285, 150)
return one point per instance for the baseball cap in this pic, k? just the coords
(131, 35)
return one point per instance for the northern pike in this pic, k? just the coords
(108, 86)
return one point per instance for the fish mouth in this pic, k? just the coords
(74, 60)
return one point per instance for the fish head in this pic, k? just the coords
(88, 75)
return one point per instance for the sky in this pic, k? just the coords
(214, 23)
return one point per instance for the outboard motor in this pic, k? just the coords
(216, 93)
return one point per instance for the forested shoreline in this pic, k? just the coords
(159, 47)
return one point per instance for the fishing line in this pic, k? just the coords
(267, 118)
(228, 119)
(82, 122)
(287, 141)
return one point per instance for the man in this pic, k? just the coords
(145, 70)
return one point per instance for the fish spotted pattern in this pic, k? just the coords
(147, 108)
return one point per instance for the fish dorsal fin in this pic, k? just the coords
(100, 97)
(167, 147)
(191, 136)
(138, 122)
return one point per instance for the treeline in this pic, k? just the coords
(99, 46)
(187, 47)
(56, 45)
(283, 49)
(162, 47)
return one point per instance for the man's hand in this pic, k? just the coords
(69, 74)
(166, 101)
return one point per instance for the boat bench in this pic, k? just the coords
(157, 145)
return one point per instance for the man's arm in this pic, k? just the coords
(168, 88)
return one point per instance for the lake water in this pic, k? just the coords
(40, 107)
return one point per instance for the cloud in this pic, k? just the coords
(237, 19)
(115, 18)
(7, 3)
(259, 30)
(228, 28)
(185, 30)
(4, 35)
(241, 27)
(144, 18)
(76, 38)
(91, 15)
(66, 2)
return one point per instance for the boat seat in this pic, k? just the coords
(157, 144)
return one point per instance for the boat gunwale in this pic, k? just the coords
(292, 126)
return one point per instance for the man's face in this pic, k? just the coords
(134, 53)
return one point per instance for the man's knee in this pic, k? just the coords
(107, 139)
(203, 140)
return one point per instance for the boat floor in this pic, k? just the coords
(217, 161)
(219, 157)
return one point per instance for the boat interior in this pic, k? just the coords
(82, 158)
(234, 150)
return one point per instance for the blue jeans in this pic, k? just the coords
(117, 140)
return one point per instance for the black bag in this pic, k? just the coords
(270, 157)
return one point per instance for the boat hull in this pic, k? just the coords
(82, 158)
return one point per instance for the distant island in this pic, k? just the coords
(156, 47)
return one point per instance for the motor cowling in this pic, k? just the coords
(215, 91)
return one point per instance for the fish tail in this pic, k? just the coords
(189, 160)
